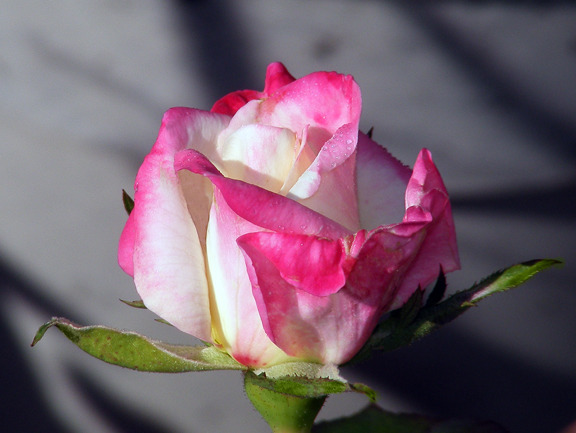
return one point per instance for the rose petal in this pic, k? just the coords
(232, 102)
(279, 305)
(276, 76)
(258, 154)
(236, 324)
(427, 198)
(382, 181)
(387, 266)
(313, 264)
(327, 326)
(328, 186)
(161, 237)
(322, 101)
(259, 206)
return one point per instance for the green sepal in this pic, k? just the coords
(309, 387)
(376, 420)
(128, 202)
(136, 304)
(137, 352)
(396, 331)
(364, 389)
(407, 313)
(300, 386)
(438, 291)
(163, 321)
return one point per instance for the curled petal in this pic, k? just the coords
(329, 185)
(425, 178)
(427, 200)
(259, 206)
(312, 264)
(280, 305)
(305, 317)
(333, 154)
(258, 154)
(321, 101)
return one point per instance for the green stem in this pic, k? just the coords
(284, 413)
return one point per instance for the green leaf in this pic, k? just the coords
(376, 420)
(395, 331)
(137, 352)
(128, 202)
(509, 278)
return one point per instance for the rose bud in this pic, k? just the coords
(272, 228)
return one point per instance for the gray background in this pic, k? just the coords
(489, 87)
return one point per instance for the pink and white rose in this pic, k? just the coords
(273, 229)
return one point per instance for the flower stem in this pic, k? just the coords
(284, 413)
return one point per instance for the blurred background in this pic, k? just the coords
(488, 86)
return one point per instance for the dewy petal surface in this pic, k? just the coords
(160, 244)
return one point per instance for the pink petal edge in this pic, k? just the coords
(160, 246)
(427, 195)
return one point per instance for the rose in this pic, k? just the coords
(273, 229)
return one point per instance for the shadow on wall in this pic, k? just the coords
(225, 60)
(23, 408)
(449, 374)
